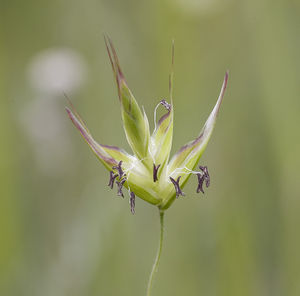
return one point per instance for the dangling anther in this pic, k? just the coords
(203, 176)
(200, 182)
(120, 186)
(164, 103)
(119, 168)
(112, 178)
(132, 202)
(155, 170)
(177, 187)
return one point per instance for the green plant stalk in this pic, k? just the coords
(158, 254)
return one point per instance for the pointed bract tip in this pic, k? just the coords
(70, 104)
(222, 92)
(226, 77)
(114, 60)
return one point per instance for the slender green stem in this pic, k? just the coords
(158, 254)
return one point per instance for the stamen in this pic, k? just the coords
(112, 178)
(119, 168)
(203, 176)
(200, 182)
(120, 186)
(176, 185)
(155, 170)
(206, 175)
(164, 103)
(132, 202)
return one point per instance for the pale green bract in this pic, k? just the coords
(148, 150)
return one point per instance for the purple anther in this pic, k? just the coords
(177, 187)
(132, 202)
(119, 168)
(205, 174)
(200, 182)
(155, 170)
(164, 103)
(112, 178)
(120, 186)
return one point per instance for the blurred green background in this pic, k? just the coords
(63, 232)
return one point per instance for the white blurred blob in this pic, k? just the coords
(51, 73)
(57, 70)
(200, 7)
(42, 121)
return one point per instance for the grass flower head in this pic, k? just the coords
(149, 173)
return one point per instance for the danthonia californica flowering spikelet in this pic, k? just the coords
(150, 173)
